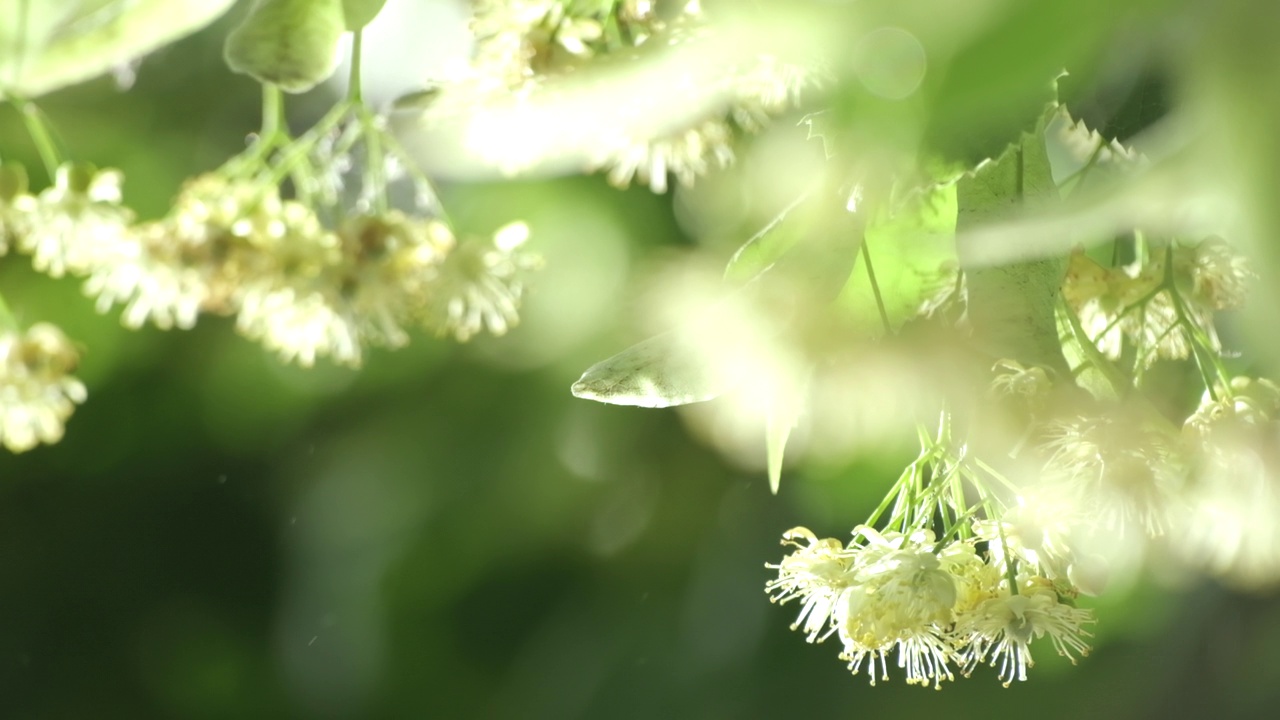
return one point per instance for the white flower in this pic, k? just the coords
(686, 154)
(76, 221)
(1228, 523)
(1219, 276)
(37, 391)
(300, 325)
(901, 598)
(480, 285)
(817, 572)
(1121, 472)
(1002, 629)
(149, 279)
(17, 206)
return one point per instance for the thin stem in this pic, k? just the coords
(875, 288)
(272, 111)
(34, 121)
(1196, 342)
(1092, 355)
(7, 320)
(298, 150)
(354, 89)
(375, 157)
(375, 160)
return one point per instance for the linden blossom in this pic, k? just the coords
(37, 391)
(888, 592)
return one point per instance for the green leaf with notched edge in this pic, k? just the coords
(1011, 307)
(358, 13)
(1082, 157)
(50, 44)
(290, 43)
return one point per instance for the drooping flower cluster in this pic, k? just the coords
(532, 52)
(1115, 472)
(1233, 493)
(232, 245)
(303, 290)
(933, 606)
(37, 389)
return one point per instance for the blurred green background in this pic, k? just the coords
(448, 532)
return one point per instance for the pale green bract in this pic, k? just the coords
(50, 44)
(291, 43)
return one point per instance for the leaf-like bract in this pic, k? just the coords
(49, 44)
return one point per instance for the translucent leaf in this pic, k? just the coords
(800, 260)
(49, 44)
(663, 371)
(762, 250)
(812, 243)
(913, 256)
(291, 43)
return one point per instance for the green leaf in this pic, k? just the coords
(1011, 307)
(763, 249)
(290, 43)
(50, 44)
(1092, 371)
(913, 256)
(811, 247)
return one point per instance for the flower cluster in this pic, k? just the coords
(37, 390)
(1115, 472)
(933, 604)
(1233, 490)
(1160, 306)
(231, 245)
(530, 51)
